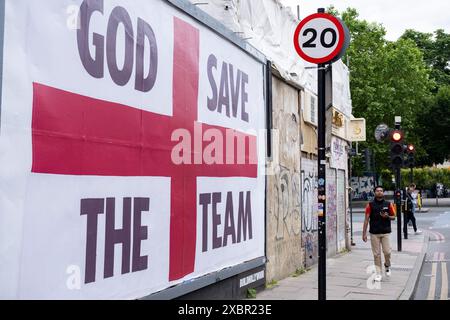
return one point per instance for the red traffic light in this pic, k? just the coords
(396, 136)
(411, 148)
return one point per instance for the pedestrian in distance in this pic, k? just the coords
(379, 214)
(411, 205)
(419, 199)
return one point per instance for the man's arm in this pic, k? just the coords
(392, 211)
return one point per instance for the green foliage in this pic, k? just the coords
(251, 293)
(387, 179)
(436, 50)
(399, 78)
(299, 272)
(434, 120)
(271, 284)
(426, 178)
(435, 128)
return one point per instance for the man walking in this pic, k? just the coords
(411, 205)
(379, 214)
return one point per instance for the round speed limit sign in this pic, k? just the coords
(321, 38)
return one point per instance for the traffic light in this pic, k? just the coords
(366, 160)
(396, 147)
(410, 151)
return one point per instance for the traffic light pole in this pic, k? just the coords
(398, 202)
(322, 183)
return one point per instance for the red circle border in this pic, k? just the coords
(335, 52)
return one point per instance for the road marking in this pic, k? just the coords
(432, 290)
(438, 237)
(444, 287)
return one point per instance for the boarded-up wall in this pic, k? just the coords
(284, 252)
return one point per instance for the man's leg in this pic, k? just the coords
(375, 242)
(413, 220)
(386, 245)
(405, 223)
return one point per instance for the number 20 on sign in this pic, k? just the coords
(321, 38)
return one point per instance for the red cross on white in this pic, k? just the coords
(78, 135)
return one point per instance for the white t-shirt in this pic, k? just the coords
(414, 198)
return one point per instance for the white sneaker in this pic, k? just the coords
(388, 272)
(418, 231)
(378, 278)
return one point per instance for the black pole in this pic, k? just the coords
(350, 197)
(398, 203)
(405, 221)
(322, 180)
(411, 176)
(437, 195)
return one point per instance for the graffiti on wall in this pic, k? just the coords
(331, 213)
(362, 188)
(341, 210)
(338, 154)
(287, 203)
(309, 210)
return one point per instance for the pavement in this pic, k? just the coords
(350, 276)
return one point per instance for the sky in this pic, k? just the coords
(395, 15)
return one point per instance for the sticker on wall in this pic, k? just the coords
(320, 209)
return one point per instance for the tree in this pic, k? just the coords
(435, 126)
(434, 120)
(436, 50)
(386, 79)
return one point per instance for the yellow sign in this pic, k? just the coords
(338, 119)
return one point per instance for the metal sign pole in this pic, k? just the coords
(350, 204)
(322, 180)
(321, 39)
(322, 184)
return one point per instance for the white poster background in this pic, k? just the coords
(338, 153)
(41, 231)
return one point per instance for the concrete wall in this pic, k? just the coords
(284, 250)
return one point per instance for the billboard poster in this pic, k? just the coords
(129, 150)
